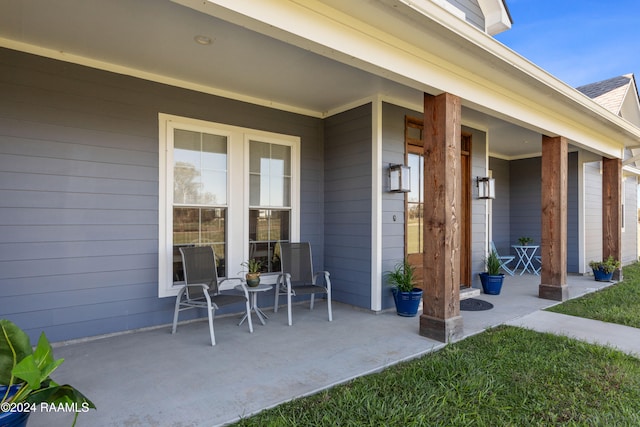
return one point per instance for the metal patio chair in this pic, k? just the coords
(202, 287)
(298, 277)
(504, 260)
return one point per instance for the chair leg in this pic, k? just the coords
(275, 302)
(210, 313)
(289, 307)
(329, 305)
(249, 317)
(177, 311)
(313, 299)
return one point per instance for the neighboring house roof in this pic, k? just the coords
(609, 93)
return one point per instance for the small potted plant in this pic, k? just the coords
(406, 295)
(525, 241)
(603, 270)
(492, 278)
(253, 272)
(25, 385)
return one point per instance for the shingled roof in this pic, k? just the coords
(609, 93)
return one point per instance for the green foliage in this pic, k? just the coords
(253, 265)
(402, 276)
(618, 303)
(20, 364)
(506, 376)
(493, 264)
(608, 265)
(524, 240)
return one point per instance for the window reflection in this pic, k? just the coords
(415, 205)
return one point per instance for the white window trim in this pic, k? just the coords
(237, 191)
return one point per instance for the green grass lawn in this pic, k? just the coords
(619, 303)
(506, 376)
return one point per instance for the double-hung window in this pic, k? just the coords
(231, 188)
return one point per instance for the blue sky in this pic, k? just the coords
(578, 41)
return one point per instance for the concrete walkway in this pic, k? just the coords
(153, 378)
(623, 338)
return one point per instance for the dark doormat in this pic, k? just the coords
(472, 304)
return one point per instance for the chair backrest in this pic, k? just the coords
(296, 260)
(199, 265)
(493, 249)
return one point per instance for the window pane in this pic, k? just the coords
(199, 227)
(259, 151)
(266, 229)
(414, 228)
(214, 188)
(200, 168)
(416, 164)
(270, 175)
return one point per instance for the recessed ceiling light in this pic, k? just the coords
(203, 40)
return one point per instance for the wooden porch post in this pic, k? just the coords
(611, 210)
(441, 318)
(553, 284)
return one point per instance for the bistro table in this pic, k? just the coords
(253, 302)
(526, 255)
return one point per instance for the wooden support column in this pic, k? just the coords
(611, 211)
(554, 219)
(441, 318)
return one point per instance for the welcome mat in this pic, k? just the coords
(472, 304)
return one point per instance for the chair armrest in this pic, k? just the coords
(326, 275)
(240, 286)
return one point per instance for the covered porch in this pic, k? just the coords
(150, 377)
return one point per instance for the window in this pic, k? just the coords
(234, 189)
(269, 201)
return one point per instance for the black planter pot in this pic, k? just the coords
(407, 303)
(491, 285)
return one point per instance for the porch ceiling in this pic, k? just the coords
(154, 39)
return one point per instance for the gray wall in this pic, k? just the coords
(348, 201)
(524, 205)
(472, 11)
(79, 192)
(393, 152)
(593, 215)
(501, 206)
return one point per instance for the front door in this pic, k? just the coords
(414, 230)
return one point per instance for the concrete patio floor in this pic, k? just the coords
(153, 378)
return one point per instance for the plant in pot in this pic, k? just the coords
(524, 241)
(492, 278)
(603, 270)
(253, 272)
(407, 296)
(25, 383)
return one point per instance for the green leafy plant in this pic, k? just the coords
(21, 365)
(493, 264)
(607, 266)
(402, 276)
(253, 265)
(524, 241)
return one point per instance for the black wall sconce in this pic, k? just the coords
(486, 188)
(399, 179)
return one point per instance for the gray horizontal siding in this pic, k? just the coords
(79, 192)
(473, 13)
(348, 205)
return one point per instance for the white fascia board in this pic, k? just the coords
(496, 18)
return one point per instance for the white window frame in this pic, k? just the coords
(237, 219)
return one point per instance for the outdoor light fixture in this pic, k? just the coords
(486, 188)
(399, 178)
